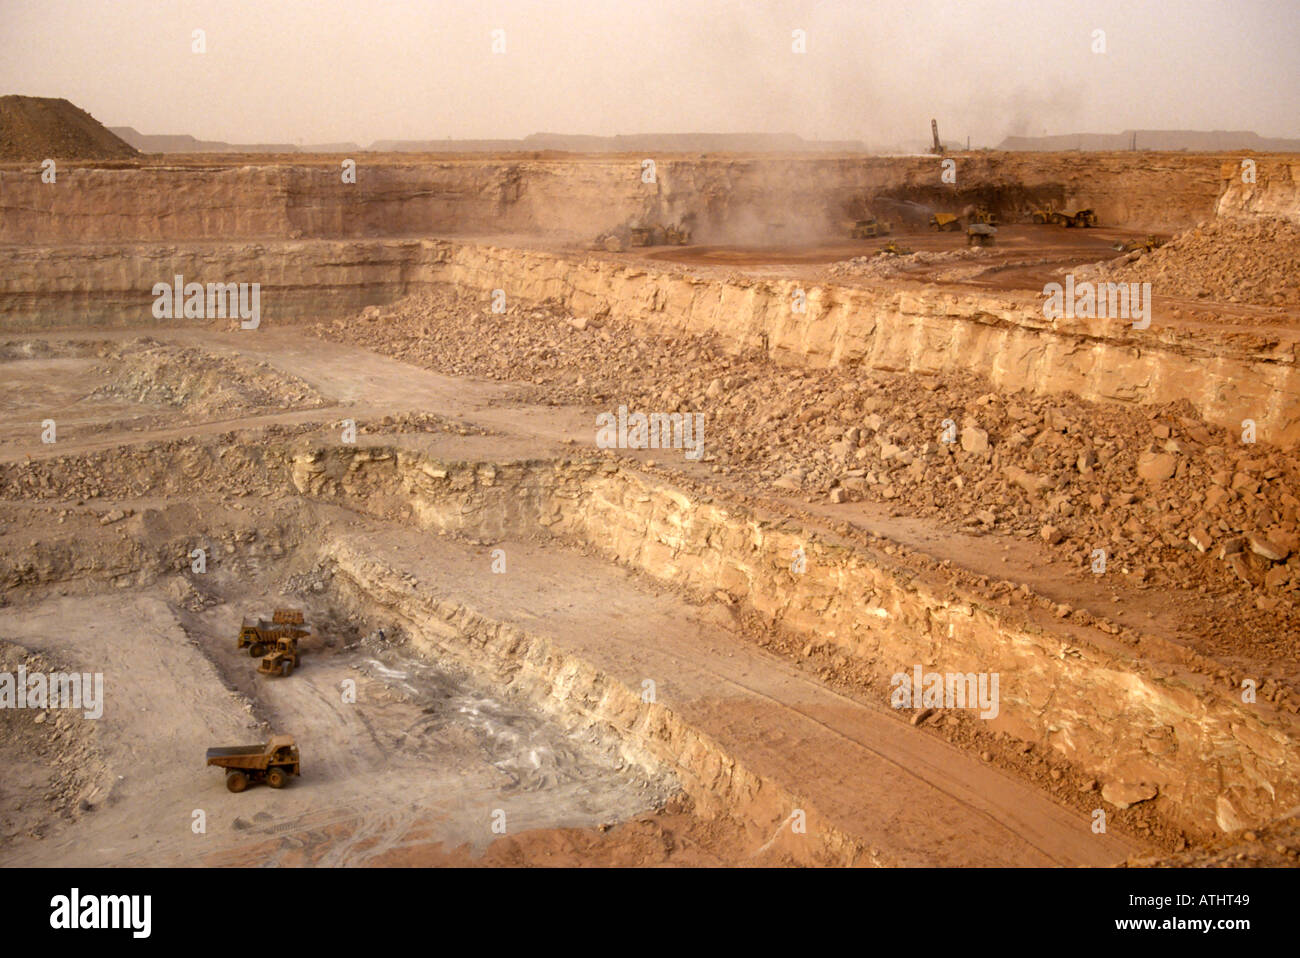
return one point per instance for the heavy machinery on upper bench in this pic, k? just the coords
(620, 238)
(272, 762)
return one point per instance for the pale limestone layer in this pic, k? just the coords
(580, 196)
(999, 335)
(1002, 335)
(1222, 763)
(1274, 192)
(1122, 719)
(110, 285)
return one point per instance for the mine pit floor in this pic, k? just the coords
(422, 759)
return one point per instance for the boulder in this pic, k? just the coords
(1156, 467)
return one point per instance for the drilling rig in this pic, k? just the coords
(937, 149)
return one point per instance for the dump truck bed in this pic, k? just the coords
(229, 750)
(235, 755)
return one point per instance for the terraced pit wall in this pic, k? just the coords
(1218, 762)
(54, 287)
(1002, 336)
(582, 698)
(579, 196)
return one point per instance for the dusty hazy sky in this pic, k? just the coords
(332, 70)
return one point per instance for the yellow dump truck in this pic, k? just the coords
(677, 235)
(272, 762)
(260, 636)
(657, 234)
(1080, 218)
(869, 229)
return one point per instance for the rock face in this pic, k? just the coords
(1032, 484)
(1002, 337)
(1266, 548)
(1080, 702)
(575, 198)
(43, 288)
(1275, 190)
(850, 433)
(1201, 539)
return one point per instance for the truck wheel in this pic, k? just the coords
(257, 650)
(277, 778)
(286, 668)
(236, 781)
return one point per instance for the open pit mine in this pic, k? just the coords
(612, 509)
